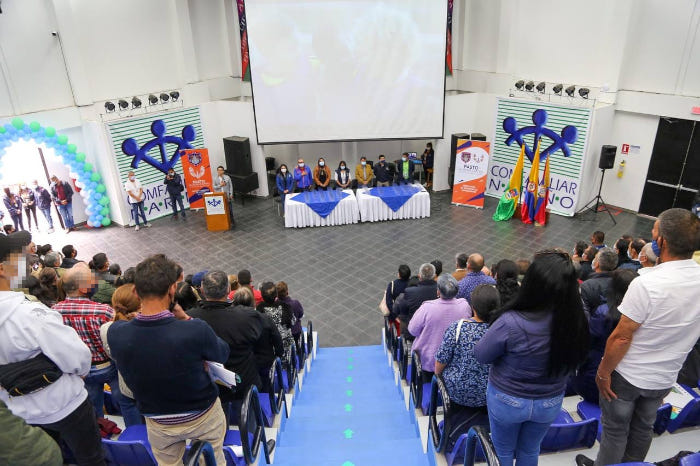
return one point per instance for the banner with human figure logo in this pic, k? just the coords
(195, 166)
(471, 168)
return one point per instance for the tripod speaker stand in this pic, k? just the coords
(600, 204)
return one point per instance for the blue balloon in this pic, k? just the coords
(97, 196)
(9, 128)
(99, 218)
(92, 184)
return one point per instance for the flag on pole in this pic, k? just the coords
(527, 209)
(543, 197)
(509, 200)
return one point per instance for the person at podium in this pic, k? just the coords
(223, 184)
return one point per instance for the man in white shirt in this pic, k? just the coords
(223, 184)
(658, 328)
(135, 195)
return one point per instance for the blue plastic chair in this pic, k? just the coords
(310, 339)
(198, 450)
(289, 370)
(479, 437)
(131, 449)
(273, 403)
(691, 460)
(589, 410)
(566, 434)
(420, 392)
(689, 415)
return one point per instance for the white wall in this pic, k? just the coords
(210, 38)
(460, 111)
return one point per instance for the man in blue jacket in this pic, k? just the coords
(163, 361)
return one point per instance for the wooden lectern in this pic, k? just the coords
(216, 210)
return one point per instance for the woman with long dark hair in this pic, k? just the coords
(506, 274)
(285, 182)
(13, 204)
(532, 349)
(343, 178)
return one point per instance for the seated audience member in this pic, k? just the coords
(197, 282)
(25, 445)
(475, 276)
(115, 270)
(523, 265)
(343, 177)
(44, 288)
(126, 277)
(432, 318)
(633, 251)
(186, 296)
(233, 285)
(465, 377)
(154, 350)
(53, 259)
(396, 287)
(404, 170)
(437, 263)
(657, 329)
(506, 274)
(294, 305)
(579, 249)
(245, 280)
(412, 298)
(460, 266)
(279, 312)
(126, 305)
(86, 317)
(382, 172)
(240, 327)
(363, 173)
(593, 290)
(30, 330)
(598, 239)
(601, 323)
(8, 229)
(322, 175)
(647, 258)
(105, 284)
(621, 248)
(69, 256)
(586, 263)
(532, 348)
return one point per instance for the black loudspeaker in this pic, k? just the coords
(478, 137)
(244, 183)
(453, 152)
(607, 157)
(237, 150)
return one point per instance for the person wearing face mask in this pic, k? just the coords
(594, 288)
(13, 204)
(32, 332)
(302, 177)
(29, 206)
(174, 186)
(43, 202)
(86, 317)
(363, 173)
(404, 170)
(62, 195)
(285, 182)
(342, 176)
(382, 172)
(135, 196)
(428, 159)
(322, 175)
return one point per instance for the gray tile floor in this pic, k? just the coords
(339, 273)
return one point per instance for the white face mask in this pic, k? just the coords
(342, 167)
(16, 281)
(363, 163)
(283, 170)
(132, 178)
(301, 164)
(403, 159)
(321, 163)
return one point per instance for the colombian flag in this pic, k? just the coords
(527, 210)
(543, 197)
(509, 200)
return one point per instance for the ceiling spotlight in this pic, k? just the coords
(570, 91)
(529, 86)
(164, 97)
(136, 102)
(152, 99)
(557, 89)
(174, 95)
(519, 85)
(123, 104)
(109, 106)
(583, 92)
(540, 87)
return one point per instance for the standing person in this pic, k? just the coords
(163, 361)
(135, 196)
(295, 306)
(506, 274)
(404, 170)
(174, 186)
(43, 201)
(363, 173)
(343, 178)
(13, 204)
(62, 195)
(322, 175)
(224, 185)
(382, 172)
(279, 312)
(31, 330)
(29, 205)
(285, 182)
(645, 352)
(246, 280)
(302, 176)
(474, 277)
(395, 288)
(532, 348)
(428, 159)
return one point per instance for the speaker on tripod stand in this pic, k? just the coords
(606, 162)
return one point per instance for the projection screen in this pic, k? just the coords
(340, 70)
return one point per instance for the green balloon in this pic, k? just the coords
(62, 139)
(72, 148)
(95, 177)
(104, 201)
(106, 222)
(100, 188)
(34, 126)
(2, 130)
(104, 211)
(87, 167)
(80, 157)
(18, 123)
(50, 131)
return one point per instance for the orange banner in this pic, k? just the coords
(195, 166)
(471, 167)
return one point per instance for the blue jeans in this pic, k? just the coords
(518, 425)
(136, 208)
(175, 200)
(95, 383)
(66, 212)
(47, 215)
(130, 411)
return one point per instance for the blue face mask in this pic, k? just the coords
(655, 247)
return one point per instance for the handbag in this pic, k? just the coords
(382, 304)
(29, 376)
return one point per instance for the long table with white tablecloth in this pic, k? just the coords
(300, 213)
(374, 208)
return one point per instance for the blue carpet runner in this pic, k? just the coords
(349, 413)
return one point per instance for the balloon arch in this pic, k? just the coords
(87, 178)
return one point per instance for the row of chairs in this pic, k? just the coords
(258, 411)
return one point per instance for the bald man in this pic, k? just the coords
(86, 317)
(475, 276)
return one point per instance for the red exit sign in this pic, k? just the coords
(695, 110)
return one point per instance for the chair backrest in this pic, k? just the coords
(691, 460)
(291, 366)
(406, 354)
(438, 392)
(394, 340)
(269, 163)
(198, 450)
(252, 427)
(565, 434)
(301, 353)
(276, 393)
(387, 335)
(129, 453)
(310, 338)
(416, 380)
(481, 435)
